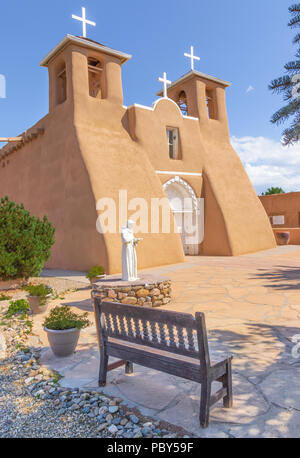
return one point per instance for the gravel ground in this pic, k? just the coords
(33, 405)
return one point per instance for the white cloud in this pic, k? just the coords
(269, 163)
(250, 89)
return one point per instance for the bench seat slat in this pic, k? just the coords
(217, 359)
(159, 362)
(184, 365)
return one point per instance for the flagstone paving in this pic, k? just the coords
(252, 308)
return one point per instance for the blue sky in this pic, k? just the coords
(245, 42)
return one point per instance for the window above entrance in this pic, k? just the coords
(173, 142)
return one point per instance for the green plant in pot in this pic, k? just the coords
(63, 329)
(96, 273)
(38, 298)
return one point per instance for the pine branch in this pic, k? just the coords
(288, 94)
(294, 8)
(287, 85)
(292, 66)
(291, 135)
(284, 113)
(296, 39)
(280, 84)
(295, 21)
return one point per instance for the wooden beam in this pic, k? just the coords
(11, 139)
(115, 365)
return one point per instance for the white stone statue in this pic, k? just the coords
(129, 258)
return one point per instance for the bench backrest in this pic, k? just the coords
(166, 330)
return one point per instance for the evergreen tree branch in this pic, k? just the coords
(280, 84)
(287, 85)
(294, 9)
(291, 135)
(296, 39)
(292, 66)
(294, 22)
(284, 113)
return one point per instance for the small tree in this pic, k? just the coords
(25, 241)
(289, 86)
(273, 190)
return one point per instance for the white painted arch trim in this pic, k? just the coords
(152, 108)
(187, 174)
(188, 188)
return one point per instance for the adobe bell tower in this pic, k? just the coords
(201, 96)
(80, 68)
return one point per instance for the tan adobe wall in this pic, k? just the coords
(287, 205)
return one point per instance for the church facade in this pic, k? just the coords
(90, 146)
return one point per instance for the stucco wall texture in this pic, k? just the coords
(287, 205)
(93, 148)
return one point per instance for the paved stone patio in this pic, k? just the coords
(252, 307)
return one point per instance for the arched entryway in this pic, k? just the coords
(186, 210)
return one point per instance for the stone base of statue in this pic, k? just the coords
(147, 291)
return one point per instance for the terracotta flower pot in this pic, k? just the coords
(35, 306)
(63, 343)
(283, 238)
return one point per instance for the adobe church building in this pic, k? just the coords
(90, 146)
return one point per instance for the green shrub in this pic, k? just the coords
(19, 307)
(42, 291)
(95, 271)
(62, 318)
(4, 298)
(38, 290)
(25, 241)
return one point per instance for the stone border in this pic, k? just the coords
(155, 293)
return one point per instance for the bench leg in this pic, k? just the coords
(227, 383)
(103, 370)
(205, 404)
(128, 368)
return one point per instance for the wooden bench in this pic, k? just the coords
(171, 342)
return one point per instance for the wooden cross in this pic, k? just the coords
(192, 57)
(84, 21)
(165, 83)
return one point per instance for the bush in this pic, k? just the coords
(41, 291)
(62, 318)
(271, 191)
(25, 242)
(95, 271)
(20, 307)
(4, 298)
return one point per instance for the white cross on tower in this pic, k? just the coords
(192, 57)
(165, 83)
(84, 21)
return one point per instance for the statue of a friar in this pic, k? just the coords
(129, 258)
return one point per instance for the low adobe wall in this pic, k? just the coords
(287, 205)
(294, 233)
